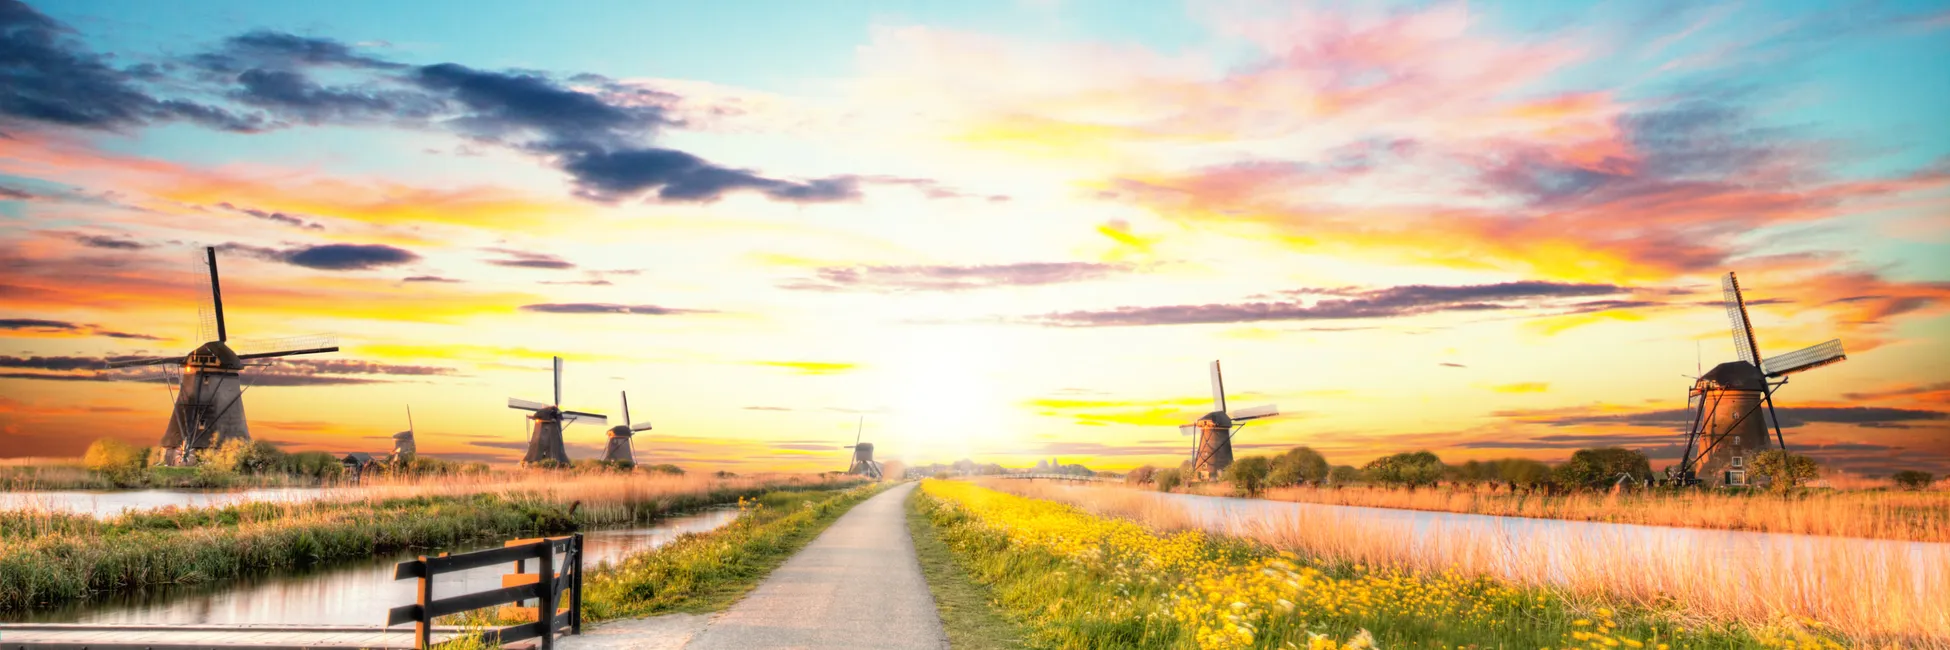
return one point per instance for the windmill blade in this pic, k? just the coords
(640, 426)
(1743, 330)
(1218, 389)
(525, 405)
(156, 361)
(859, 429)
(1187, 429)
(216, 293)
(579, 416)
(1808, 358)
(285, 347)
(558, 381)
(626, 408)
(1254, 413)
(409, 418)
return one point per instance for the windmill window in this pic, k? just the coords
(1737, 461)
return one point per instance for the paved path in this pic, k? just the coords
(857, 586)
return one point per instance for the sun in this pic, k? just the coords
(943, 388)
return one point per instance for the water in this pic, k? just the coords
(357, 593)
(106, 504)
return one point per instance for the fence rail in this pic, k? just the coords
(545, 586)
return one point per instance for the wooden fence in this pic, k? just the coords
(553, 613)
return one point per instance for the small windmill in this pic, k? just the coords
(1727, 427)
(1212, 450)
(862, 462)
(403, 447)
(545, 437)
(619, 450)
(209, 398)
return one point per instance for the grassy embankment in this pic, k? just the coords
(967, 607)
(1078, 580)
(1922, 516)
(49, 557)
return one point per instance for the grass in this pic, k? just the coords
(50, 557)
(1871, 593)
(966, 608)
(1084, 581)
(707, 572)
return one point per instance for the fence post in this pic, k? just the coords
(545, 612)
(575, 597)
(423, 628)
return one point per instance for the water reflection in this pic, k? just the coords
(352, 594)
(106, 504)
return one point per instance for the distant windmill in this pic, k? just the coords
(1212, 452)
(862, 462)
(545, 439)
(403, 447)
(619, 450)
(209, 400)
(1727, 426)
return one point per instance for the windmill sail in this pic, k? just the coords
(1218, 389)
(1743, 330)
(1256, 412)
(1808, 358)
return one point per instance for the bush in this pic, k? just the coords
(243, 457)
(1167, 479)
(1593, 468)
(315, 464)
(1248, 475)
(1910, 479)
(1784, 471)
(665, 468)
(1141, 475)
(1298, 465)
(1343, 475)
(1523, 471)
(1410, 469)
(116, 458)
(723, 474)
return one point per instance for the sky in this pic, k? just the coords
(1004, 231)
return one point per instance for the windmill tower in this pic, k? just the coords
(619, 450)
(545, 436)
(1728, 427)
(209, 396)
(1212, 448)
(403, 447)
(862, 462)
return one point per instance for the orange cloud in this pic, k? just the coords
(1522, 387)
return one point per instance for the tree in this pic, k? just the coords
(1410, 469)
(1523, 471)
(1784, 471)
(1598, 467)
(1248, 475)
(1141, 475)
(1167, 479)
(1343, 475)
(1910, 479)
(117, 459)
(315, 464)
(1298, 465)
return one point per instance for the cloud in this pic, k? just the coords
(1446, 364)
(1940, 391)
(329, 257)
(284, 372)
(1343, 303)
(11, 194)
(46, 77)
(429, 278)
(275, 217)
(811, 367)
(900, 279)
(1680, 419)
(529, 260)
(111, 243)
(1522, 387)
(42, 327)
(269, 49)
(608, 308)
(676, 176)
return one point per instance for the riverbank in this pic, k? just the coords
(1080, 580)
(48, 557)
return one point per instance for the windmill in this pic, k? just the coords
(862, 462)
(545, 438)
(1212, 451)
(403, 447)
(1728, 428)
(619, 450)
(209, 396)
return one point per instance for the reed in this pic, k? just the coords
(1873, 593)
(48, 557)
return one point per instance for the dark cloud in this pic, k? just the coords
(35, 324)
(111, 243)
(608, 308)
(59, 364)
(428, 278)
(45, 76)
(503, 105)
(8, 193)
(676, 176)
(1904, 391)
(293, 94)
(46, 326)
(329, 257)
(276, 217)
(1344, 303)
(286, 372)
(278, 50)
(528, 260)
(896, 279)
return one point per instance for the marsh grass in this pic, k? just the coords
(1875, 593)
(50, 557)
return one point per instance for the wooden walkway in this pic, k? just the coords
(186, 637)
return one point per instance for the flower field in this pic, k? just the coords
(1081, 581)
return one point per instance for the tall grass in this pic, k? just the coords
(48, 557)
(1877, 514)
(1874, 593)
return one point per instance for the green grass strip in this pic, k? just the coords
(706, 572)
(966, 606)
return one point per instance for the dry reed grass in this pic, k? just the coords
(1876, 593)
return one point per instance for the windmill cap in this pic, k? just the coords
(550, 413)
(403, 435)
(1733, 375)
(1218, 419)
(621, 431)
(224, 356)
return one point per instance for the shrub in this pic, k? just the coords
(1410, 469)
(1591, 468)
(1167, 479)
(1343, 475)
(115, 457)
(1910, 479)
(1784, 471)
(1298, 465)
(723, 474)
(1523, 471)
(243, 457)
(1141, 475)
(665, 468)
(315, 464)
(1248, 475)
